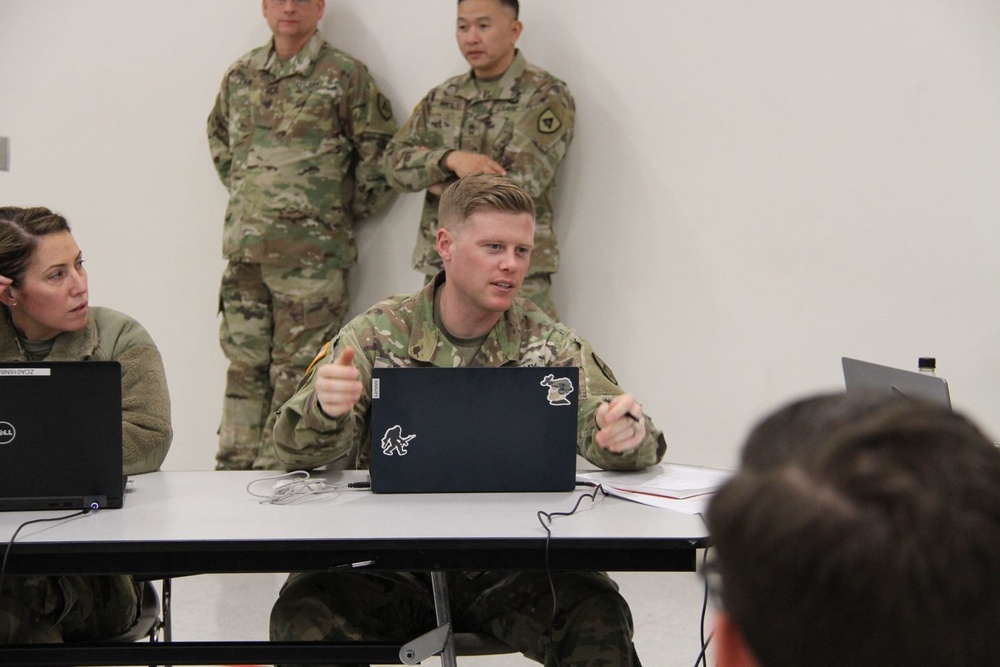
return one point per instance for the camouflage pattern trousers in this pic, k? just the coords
(592, 625)
(44, 610)
(274, 321)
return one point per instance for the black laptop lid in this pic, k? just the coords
(440, 430)
(60, 435)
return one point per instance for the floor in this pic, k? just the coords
(666, 608)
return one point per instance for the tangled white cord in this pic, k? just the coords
(292, 487)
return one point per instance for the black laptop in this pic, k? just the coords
(60, 435)
(445, 430)
(866, 376)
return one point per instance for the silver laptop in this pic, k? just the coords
(443, 430)
(864, 375)
(60, 435)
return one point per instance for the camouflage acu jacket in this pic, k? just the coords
(298, 143)
(524, 122)
(400, 332)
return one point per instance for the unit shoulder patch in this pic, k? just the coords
(604, 368)
(548, 122)
(384, 107)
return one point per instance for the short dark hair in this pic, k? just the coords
(876, 543)
(513, 4)
(802, 423)
(482, 192)
(20, 229)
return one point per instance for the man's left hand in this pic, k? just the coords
(621, 426)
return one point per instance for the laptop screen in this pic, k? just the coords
(60, 435)
(864, 375)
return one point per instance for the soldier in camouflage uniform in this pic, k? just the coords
(468, 315)
(505, 116)
(297, 135)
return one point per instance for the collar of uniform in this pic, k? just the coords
(502, 345)
(507, 88)
(425, 338)
(10, 347)
(301, 63)
(68, 346)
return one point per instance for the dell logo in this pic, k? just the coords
(7, 433)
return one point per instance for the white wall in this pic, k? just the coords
(756, 189)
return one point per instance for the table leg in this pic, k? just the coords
(442, 608)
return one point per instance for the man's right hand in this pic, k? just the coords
(463, 163)
(337, 385)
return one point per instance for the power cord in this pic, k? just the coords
(6, 552)
(545, 518)
(298, 487)
(703, 655)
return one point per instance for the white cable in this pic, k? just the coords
(293, 487)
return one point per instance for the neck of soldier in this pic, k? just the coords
(463, 319)
(286, 47)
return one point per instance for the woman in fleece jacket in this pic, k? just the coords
(45, 316)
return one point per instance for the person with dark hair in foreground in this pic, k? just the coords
(870, 536)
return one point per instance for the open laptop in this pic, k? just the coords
(864, 375)
(443, 430)
(60, 435)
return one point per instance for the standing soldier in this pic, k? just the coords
(505, 117)
(297, 135)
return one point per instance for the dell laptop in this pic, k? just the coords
(444, 430)
(60, 435)
(864, 375)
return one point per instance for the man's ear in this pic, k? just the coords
(731, 649)
(444, 243)
(515, 31)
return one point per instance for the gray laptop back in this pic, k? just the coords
(864, 375)
(60, 435)
(440, 430)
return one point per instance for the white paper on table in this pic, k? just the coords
(676, 486)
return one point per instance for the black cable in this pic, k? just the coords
(703, 655)
(548, 535)
(3, 565)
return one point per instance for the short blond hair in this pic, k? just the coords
(482, 192)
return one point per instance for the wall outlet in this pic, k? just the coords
(4, 154)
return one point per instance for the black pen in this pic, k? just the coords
(607, 399)
(359, 485)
